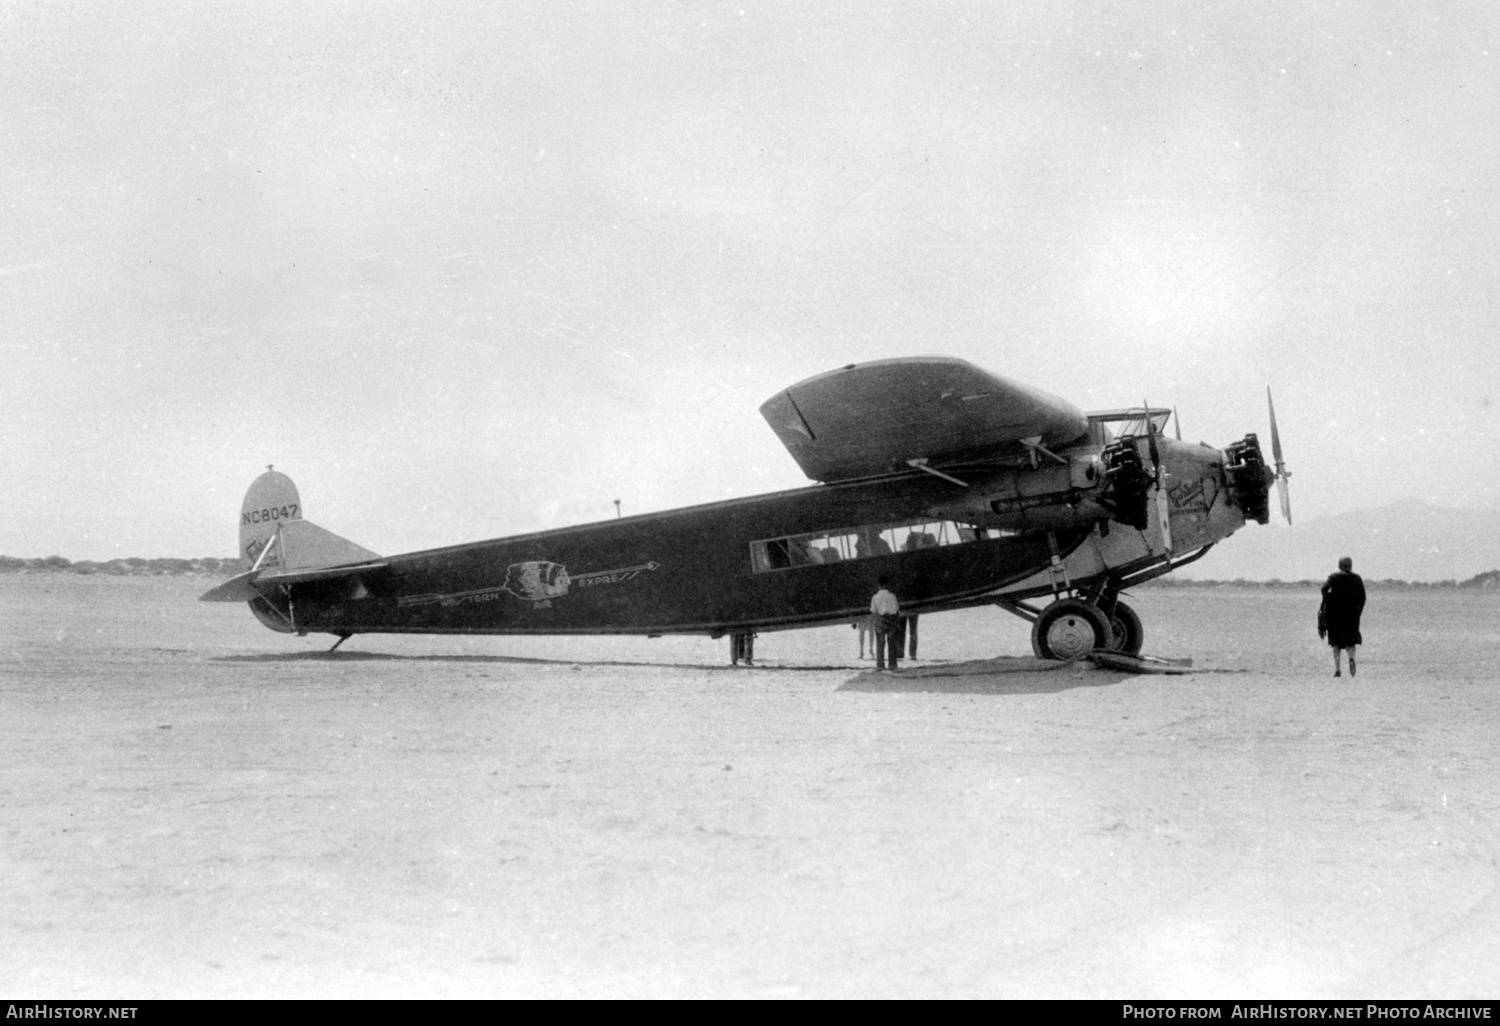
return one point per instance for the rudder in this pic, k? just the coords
(271, 501)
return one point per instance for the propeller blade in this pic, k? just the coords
(1275, 435)
(1283, 492)
(1163, 506)
(1151, 439)
(1176, 423)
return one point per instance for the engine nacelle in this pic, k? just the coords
(1050, 496)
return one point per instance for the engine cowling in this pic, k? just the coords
(1249, 478)
(1051, 496)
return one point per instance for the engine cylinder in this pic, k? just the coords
(1249, 478)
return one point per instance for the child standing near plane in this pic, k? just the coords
(886, 611)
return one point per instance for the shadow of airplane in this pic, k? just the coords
(1014, 675)
(1001, 676)
(354, 657)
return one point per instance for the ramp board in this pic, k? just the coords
(1139, 664)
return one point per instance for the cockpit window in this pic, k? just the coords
(1132, 421)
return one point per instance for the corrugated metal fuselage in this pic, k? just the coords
(683, 571)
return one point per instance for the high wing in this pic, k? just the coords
(886, 415)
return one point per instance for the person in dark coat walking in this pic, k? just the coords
(1338, 617)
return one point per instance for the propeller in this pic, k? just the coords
(1163, 508)
(1282, 474)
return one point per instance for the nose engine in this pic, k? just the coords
(1250, 478)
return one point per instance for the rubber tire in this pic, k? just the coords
(1069, 628)
(1127, 633)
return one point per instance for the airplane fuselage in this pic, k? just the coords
(788, 559)
(735, 565)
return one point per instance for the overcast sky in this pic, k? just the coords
(470, 270)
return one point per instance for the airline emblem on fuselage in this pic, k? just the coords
(538, 581)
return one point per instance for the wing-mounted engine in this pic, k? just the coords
(1051, 495)
(1126, 483)
(1249, 478)
(1059, 492)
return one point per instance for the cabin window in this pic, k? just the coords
(824, 547)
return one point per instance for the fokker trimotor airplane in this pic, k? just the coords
(962, 487)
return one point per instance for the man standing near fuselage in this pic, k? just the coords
(886, 611)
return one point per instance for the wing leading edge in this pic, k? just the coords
(875, 418)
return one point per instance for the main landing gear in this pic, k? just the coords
(1071, 627)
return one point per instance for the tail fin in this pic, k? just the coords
(282, 547)
(271, 518)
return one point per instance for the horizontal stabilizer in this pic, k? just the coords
(283, 548)
(236, 589)
(249, 585)
(326, 573)
(306, 545)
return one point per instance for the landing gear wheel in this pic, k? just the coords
(1128, 635)
(1069, 628)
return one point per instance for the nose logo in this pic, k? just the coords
(1189, 495)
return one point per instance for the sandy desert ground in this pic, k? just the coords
(195, 806)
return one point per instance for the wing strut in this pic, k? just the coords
(921, 464)
(266, 551)
(1034, 446)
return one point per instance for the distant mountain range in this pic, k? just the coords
(1407, 540)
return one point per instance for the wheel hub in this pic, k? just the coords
(1070, 636)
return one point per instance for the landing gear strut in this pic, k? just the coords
(1127, 634)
